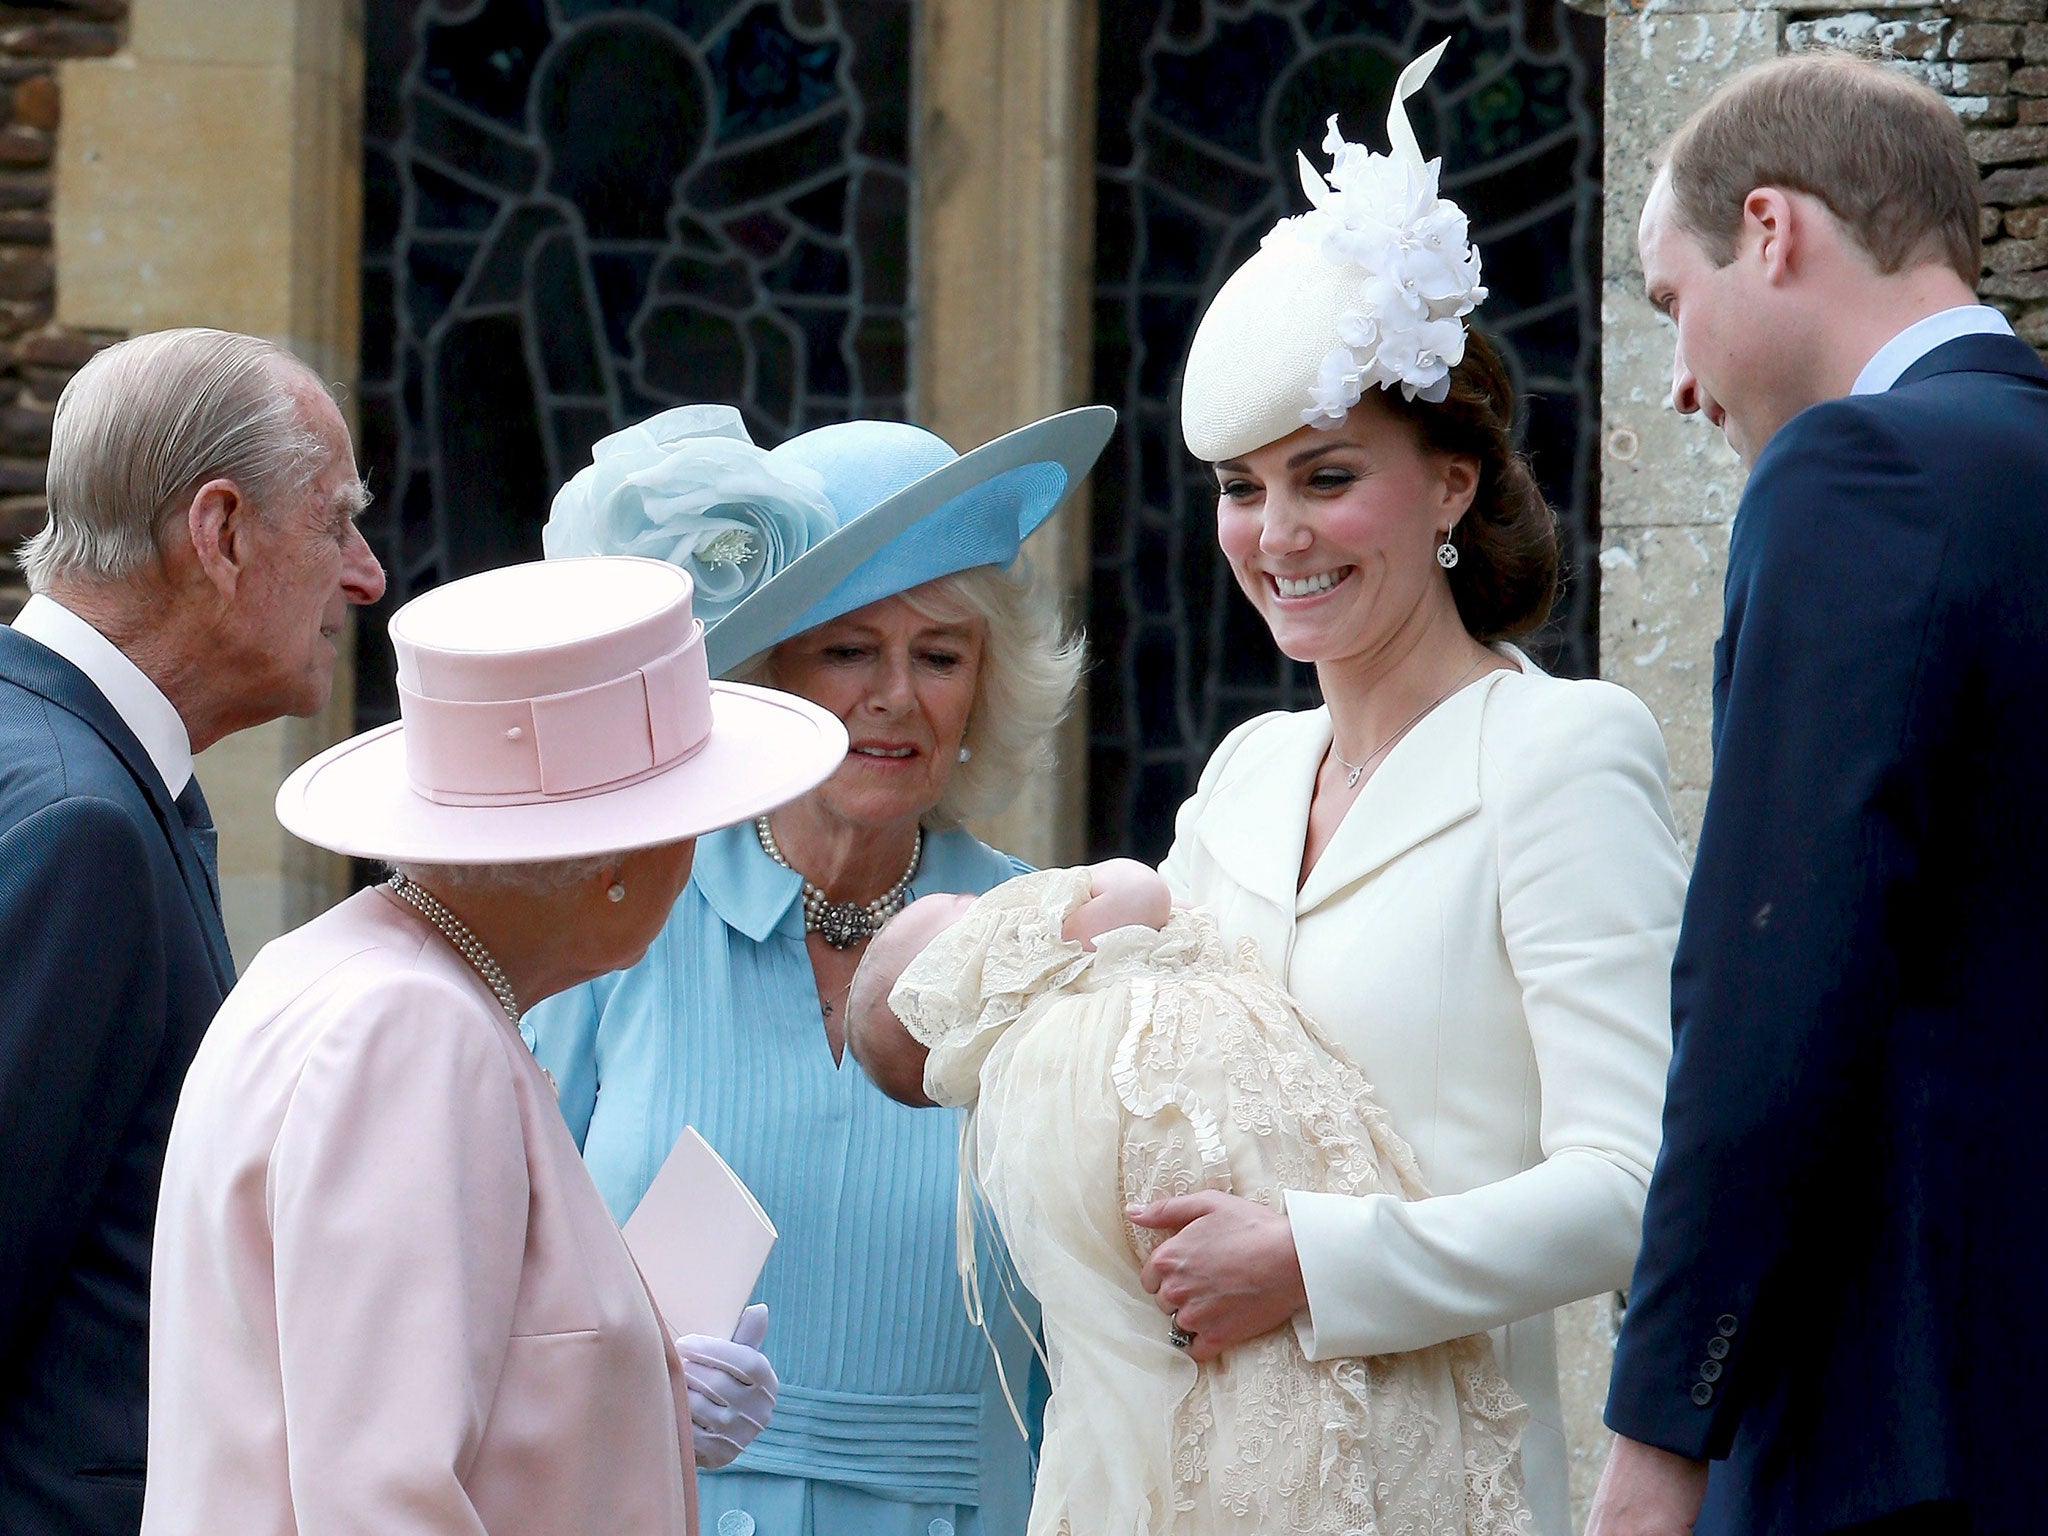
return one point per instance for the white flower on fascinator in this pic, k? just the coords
(688, 486)
(1385, 215)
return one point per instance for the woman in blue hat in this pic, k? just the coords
(868, 568)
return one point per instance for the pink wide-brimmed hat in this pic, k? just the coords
(557, 710)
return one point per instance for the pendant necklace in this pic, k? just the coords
(844, 923)
(467, 945)
(1358, 769)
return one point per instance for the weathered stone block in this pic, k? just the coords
(19, 189)
(1983, 40)
(96, 10)
(2034, 43)
(2026, 223)
(1988, 223)
(61, 348)
(61, 40)
(1986, 111)
(47, 383)
(1910, 38)
(2002, 146)
(36, 102)
(2033, 326)
(1988, 78)
(1660, 613)
(2016, 255)
(20, 315)
(25, 273)
(2032, 80)
(2013, 187)
(2015, 285)
(2032, 109)
(20, 226)
(25, 427)
(1998, 10)
(22, 146)
(22, 515)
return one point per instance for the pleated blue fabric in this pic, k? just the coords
(886, 1387)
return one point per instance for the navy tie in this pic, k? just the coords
(199, 827)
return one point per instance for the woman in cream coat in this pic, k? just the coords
(1464, 869)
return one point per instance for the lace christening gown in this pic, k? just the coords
(1159, 1065)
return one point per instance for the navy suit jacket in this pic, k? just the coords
(1841, 1284)
(113, 961)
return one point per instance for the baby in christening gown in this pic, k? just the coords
(1114, 1053)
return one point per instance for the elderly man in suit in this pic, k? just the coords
(200, 559)
(1835, 1319)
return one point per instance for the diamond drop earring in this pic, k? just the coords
(1447, 552)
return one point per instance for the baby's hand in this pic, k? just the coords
(1123, 893)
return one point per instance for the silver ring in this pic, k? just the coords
(1178, 1336)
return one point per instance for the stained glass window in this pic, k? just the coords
(578, 212)
(1202, 106)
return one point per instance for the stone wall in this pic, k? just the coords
(1989, 59)
(37, 358)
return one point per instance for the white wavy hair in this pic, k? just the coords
(1030, 668)
(157, 415)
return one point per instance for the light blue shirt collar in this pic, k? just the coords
(754, 895)
(1922, 337)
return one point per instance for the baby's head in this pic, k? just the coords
(889, 1054)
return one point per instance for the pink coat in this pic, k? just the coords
(387, 1298)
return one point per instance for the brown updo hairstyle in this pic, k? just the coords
(1506, 576)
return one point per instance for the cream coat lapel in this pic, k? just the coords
(1256, 838)
(1428, 782)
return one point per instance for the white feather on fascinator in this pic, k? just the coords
(1368, 289)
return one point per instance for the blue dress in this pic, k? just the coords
(891, 1419)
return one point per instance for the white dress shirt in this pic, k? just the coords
(1921, 338)
(138, 701)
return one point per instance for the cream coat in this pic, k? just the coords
(1489, 936)
(387, 1297)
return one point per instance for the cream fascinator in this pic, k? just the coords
(1368, 289)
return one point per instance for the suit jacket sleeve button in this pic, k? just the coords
(1725, 1325)
(1702, 1393)
(1710, 1370)
(1717, 1348)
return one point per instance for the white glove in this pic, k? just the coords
(732, 1387)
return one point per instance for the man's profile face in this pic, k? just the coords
(1707, 304)
(311, 566)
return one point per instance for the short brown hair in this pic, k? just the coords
(1506, 576)
(1883, 152)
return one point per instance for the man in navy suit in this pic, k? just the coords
(1836, 1319)
(199, 561)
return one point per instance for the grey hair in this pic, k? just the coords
(1030, 668)
(540, 879)
(156, 416)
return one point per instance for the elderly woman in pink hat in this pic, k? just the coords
(387, 1296)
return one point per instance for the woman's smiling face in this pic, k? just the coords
(1333, 534)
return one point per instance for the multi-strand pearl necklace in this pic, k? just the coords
(467, 944)
(844, 923)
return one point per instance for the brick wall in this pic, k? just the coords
(36, 358)
(1989, 59)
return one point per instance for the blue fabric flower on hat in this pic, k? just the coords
(690, 487)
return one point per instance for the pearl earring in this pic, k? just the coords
(1447, 552)
(966, 753)
(616, 891)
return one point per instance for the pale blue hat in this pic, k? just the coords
(783, 540)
